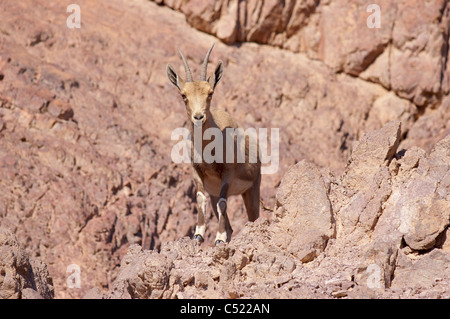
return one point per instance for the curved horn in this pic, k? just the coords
(205, 64)
(186, 67)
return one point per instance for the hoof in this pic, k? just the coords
(199, 238)
(218, 242)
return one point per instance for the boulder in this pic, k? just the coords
(22, 276)
(305, 220)
(366, 182)
(424, 272)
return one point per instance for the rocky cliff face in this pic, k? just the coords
(379, 230)
(86, 174)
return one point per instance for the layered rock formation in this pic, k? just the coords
(86, 117)
(379, 230)
(412, 35)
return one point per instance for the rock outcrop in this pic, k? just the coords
(21, 276)
(391, 213)
(407, 52)
(304, 223)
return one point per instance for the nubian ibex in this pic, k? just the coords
(219, 179)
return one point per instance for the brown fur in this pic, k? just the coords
(220, 180)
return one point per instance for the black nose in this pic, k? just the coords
(199, 117)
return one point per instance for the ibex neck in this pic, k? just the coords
(197, 137)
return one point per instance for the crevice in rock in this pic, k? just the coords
(445, 47)
(441, 238)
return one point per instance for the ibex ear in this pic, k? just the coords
(215, 78)
(174, 78)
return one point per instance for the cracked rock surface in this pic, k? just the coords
(353, 240)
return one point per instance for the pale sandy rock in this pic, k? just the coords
(354, 46)
(390, 107)
(144, 274)
(431, 127)
(418, 44)
(418, 208)
(21, 276)
(372, 151)
(424, 272)
(402, 53)
(306, 223)
(444, 241)
(430, 215)
(388, 205)
(261, 259)
(379, 70)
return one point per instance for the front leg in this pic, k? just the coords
(224, 233)
(200, 229)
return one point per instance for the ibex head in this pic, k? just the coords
(196, 95)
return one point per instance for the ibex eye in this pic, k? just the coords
(183, 96)
(210, 96)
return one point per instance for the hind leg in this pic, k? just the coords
(214, 201)
(251, 200)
